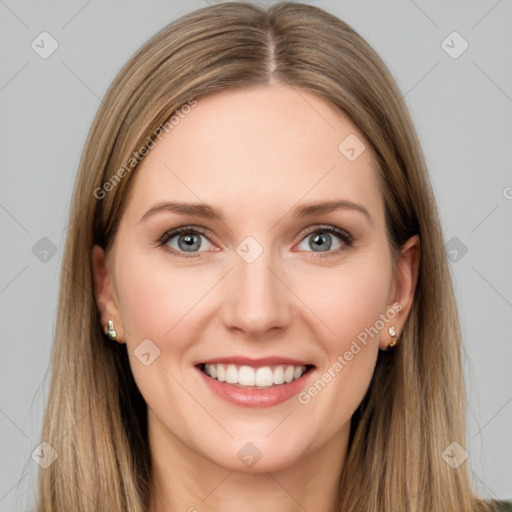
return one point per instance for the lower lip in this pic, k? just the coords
(257, 398)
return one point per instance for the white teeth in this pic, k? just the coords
(279, 375)
(297, 372)
(246, 376)
(221, 373)
(232, 374)
(264, 376)
(288, 374)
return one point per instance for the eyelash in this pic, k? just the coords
(344, 237)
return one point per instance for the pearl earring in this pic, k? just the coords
(393, 332)
(110, 331)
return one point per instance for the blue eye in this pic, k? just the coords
(185, 240)
(325, 237)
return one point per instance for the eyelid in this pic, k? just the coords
(187, 228)
(325, 227)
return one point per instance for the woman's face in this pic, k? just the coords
(261, 285)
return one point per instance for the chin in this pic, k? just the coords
(259, 455)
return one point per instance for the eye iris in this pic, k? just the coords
(319, 239)
(192, 242)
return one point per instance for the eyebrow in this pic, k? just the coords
(210, 212)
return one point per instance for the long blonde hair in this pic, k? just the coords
(415, 405)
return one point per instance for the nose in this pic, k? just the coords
(257, 298)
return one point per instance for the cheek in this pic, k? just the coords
(348, 299)
(157, 303)
(350, 303)
(155, 298)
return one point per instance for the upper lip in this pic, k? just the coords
(246, 361)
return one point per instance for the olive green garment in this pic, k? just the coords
(502, 506)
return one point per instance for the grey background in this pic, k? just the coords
(462, 109)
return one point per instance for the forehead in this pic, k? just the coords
(258, 148)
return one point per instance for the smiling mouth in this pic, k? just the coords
(261, 377)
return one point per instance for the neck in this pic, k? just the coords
(183, 480)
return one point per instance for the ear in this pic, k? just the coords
(406, 277)
(104, 292)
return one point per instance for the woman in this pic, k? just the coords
(256, 308)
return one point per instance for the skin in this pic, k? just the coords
(255, 154)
